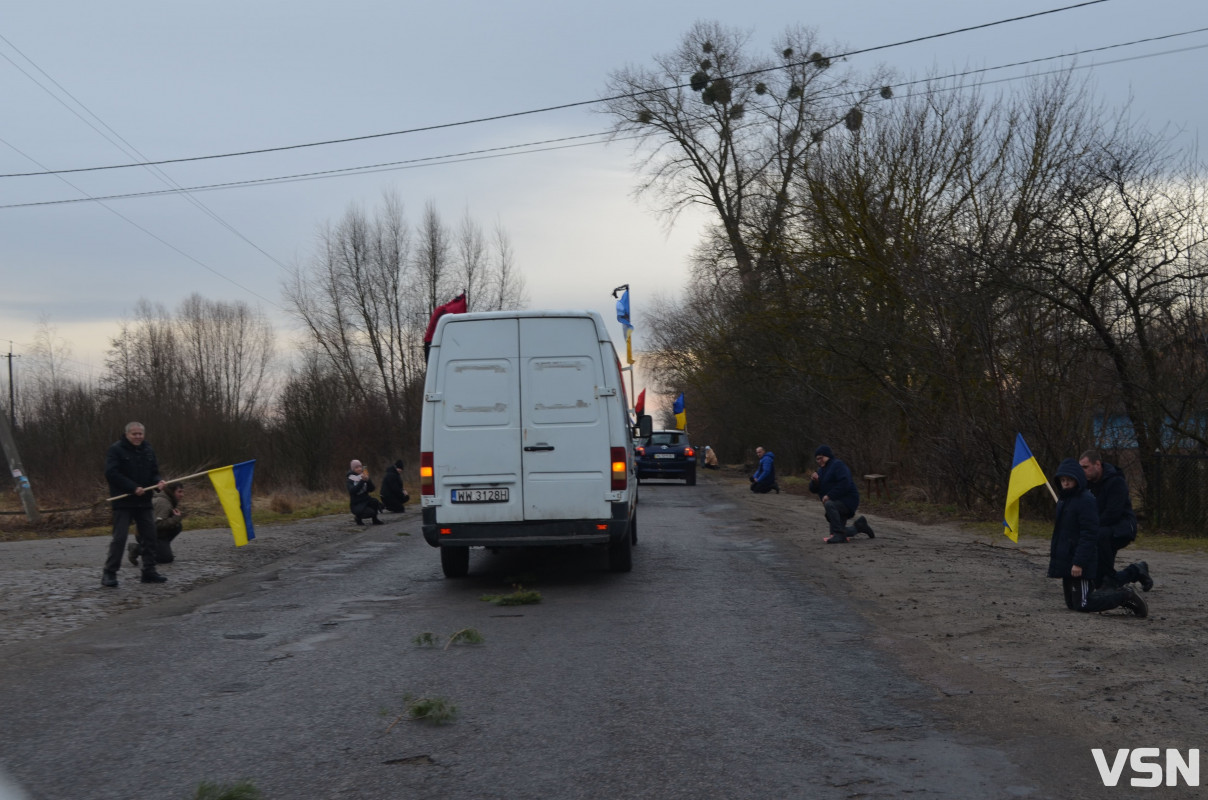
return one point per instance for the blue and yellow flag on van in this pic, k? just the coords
(681, 418)
(1026, 475)
(234, 487)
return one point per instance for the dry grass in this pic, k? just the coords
(201, 506)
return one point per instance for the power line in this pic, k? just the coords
(413, 163)
(126, 146)
(157, 238)
(513, 115)
(547, 145)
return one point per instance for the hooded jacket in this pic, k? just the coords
(835, 481)
(393, 495)
(1076, 527)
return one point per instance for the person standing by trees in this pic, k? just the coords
(132, 469)
(840, 497)
(1117, 521)
(1075, 547)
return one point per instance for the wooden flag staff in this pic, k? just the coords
(156, 486)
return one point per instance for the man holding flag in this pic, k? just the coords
(132, 471)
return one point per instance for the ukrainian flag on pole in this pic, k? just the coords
(681, 418)
(1026, 475)
(234, 487)
(623, 318)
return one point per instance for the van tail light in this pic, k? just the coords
(641, 451)
(427, 480)
(620, 470)
(689, 452)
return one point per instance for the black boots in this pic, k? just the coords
(132, 552)
(109, 579)
(1134, 603)
(151, 576)
(1146, 581)
(862, 526)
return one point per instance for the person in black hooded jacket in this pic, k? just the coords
(1074, 554)
(394, 496)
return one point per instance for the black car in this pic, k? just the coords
(666, 454)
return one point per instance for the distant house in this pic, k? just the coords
(1115, 432)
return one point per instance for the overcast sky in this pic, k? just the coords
(185, 79)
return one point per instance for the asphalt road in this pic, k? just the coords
(715, 669)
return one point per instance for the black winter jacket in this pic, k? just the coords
(1117, 520)
(1076, 529)
(128, 467)
(835, 481)
(360, 500)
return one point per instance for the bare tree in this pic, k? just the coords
(473, 268)
(432, 259)
(731, 131)
(226, 350)
(352, 302)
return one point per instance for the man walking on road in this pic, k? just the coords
(132, 469)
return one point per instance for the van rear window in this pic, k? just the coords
(561, 390)
(478, 392)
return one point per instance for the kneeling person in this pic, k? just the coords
(1074, 553)
(840, 497)
(168, 524)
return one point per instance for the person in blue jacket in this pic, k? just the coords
(1075, 551)
(840, 497)
(764, 479)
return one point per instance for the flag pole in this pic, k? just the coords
(156, 486)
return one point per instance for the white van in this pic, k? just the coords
(525, 437)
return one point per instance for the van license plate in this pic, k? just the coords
(480, 495)
(664, 455)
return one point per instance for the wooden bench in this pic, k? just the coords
(874, 484)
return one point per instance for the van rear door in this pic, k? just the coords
(477, 438)
(566, 456)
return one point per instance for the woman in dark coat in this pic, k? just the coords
(360, 500)
(394, 497)
(1074, 553)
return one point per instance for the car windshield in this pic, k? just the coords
(668, 438)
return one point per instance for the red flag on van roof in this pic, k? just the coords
(455, 306)
(639, 408)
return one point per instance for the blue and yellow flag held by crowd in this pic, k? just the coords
(234, 487)
(1026, 475)
(681, 418)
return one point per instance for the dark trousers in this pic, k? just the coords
(837, 514)
(144, 525)
(1111, 578)
(1081, 595)
(764, 486)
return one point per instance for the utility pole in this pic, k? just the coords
(12, 401)
(23, 488)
